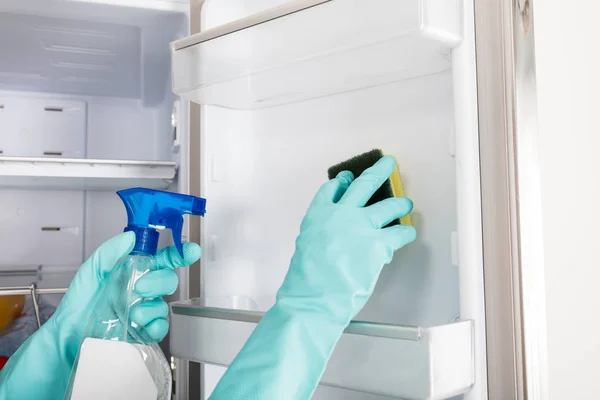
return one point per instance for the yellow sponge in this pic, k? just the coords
(392, 188)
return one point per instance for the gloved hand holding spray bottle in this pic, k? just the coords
(119, 357)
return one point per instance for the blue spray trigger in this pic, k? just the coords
(149, 209)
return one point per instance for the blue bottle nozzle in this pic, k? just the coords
(149, 210)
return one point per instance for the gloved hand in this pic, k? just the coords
(339, 255)
(41, 368)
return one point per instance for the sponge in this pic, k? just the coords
(391, 188)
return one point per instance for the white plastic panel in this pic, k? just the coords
(69, 56)
(105, 217)
(40, 229)
(113, 129)
(303, 49)
(121, 129)
(468, 197)
(262, 168)
(91, 47)
(40, 127)
(400, 361)
(213, 373)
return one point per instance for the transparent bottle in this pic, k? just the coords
(118, 359)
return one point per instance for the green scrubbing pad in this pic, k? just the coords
(391, 188)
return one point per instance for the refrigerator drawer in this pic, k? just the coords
(399, 361)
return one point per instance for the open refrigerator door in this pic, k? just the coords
(289, 88)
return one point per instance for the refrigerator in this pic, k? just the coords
(247, 104)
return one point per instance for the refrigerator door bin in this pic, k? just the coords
(400, 361)
(303, 49)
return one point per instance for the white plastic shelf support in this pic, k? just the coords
(84, 174)
(399, 361)
(311, 48)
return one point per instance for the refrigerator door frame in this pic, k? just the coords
(191, 373)
(511, 201)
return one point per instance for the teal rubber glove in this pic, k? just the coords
(339, 255)
(41, 368)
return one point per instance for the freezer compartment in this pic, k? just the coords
(89, 78)
(427, 363)
(305, 49)
(87, 174)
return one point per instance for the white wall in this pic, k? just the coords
(569, 131)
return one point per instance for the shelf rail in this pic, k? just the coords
(34, 292)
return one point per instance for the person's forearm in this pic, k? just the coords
(284, 357)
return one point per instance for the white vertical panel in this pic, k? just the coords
(25, 213)
(568, 83)
(272, 162)
(121, 129)
(468, 196)
(34, 126)
(105, 217)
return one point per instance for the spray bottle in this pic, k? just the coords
(117, 359)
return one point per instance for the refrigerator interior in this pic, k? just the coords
(263, 158)
(81, 80)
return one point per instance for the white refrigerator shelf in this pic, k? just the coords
(84, 174)
(311, 48)
(98, 8)
(157, 5)
(399, 361)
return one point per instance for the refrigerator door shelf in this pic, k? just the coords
(399, 361)
(84, 174)
(305, 49)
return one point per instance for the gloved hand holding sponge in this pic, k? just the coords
(340, 252)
